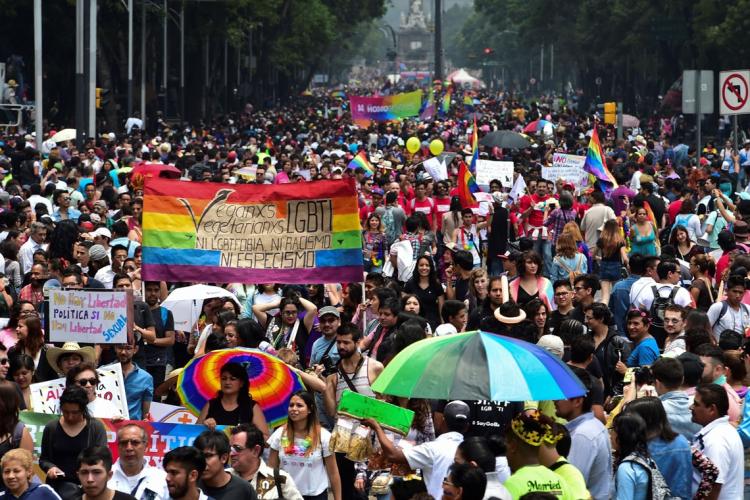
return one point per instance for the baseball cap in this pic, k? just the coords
(457, 411)
(103, 231)
(552, 344)
(329, 310)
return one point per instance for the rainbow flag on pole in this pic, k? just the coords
(474, 148)
(445, 105)
(360, 160)
(251, 233)
(597, 166)
(467, 186)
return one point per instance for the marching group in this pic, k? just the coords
(640, 288)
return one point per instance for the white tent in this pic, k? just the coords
(461, 77)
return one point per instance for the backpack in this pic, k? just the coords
(659, 490)
(389, 224)
(660, 304)
(573, 274)
(725, 308)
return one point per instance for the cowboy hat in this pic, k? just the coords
(87, 354)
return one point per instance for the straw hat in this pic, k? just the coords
(87, 354)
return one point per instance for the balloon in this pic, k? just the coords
(412, 145)
(436, 147)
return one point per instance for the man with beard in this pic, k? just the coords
(158, 346)
(355, 372)
(139, 384)
(184, 466)
(214, 479)
(33, 292)
(94, 470)
(325, 355)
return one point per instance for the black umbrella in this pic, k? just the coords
(505, 139)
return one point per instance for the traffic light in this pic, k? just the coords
(102, 97)
(610, 113)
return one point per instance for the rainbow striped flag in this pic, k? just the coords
(474, 148)
(360, 160)
(467, 186)
(445, 105)
(251, 233)
(428, 113)
(597, 166)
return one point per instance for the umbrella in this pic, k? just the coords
(66, 134)
(272, 382)
(630, 121)
(478, 366)
(157, 170)
(535, 126)
(505, 139)
(186, 303)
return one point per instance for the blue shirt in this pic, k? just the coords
(319, 348)
(73, 214)
(674, 460)
(34, 492)
(631, 482)
(591, 453)
(646, 352)
(619, 301)
(139, 387)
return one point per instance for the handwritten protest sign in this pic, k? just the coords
(90, 316)
(389, 416)
(385, 108)
(487, 170)
(287, 233)
(162, 437)
(45, 396)
(566, 167)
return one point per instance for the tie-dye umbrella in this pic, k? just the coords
(272, 382)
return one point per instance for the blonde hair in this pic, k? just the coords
(288, 356)
(19, 455)
(573, 229)
(566, 245)
(475, 274)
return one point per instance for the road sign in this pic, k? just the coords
(704, 88)
(733, 92)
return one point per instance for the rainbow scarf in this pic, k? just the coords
(467, 186)
(361, 161)
(596, 165)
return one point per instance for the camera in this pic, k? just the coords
(329, 367)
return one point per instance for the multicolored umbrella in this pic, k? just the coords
(478, 366)
(272, 382)
(535, 126)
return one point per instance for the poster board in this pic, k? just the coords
(487, 170)
(90, 316)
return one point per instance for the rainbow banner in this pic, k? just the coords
(251, 233)
(385, 108)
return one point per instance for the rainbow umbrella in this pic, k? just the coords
(272, 382)
(535, 126)
(478, 366)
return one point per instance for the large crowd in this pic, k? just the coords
(641, 288)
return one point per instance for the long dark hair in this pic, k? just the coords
(631, 435)
(651, 410)
(239, 372)
(432, 278)
(34, 340)
(250, 333)
(9, 407)
(312, 426)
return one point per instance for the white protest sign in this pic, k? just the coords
(487, 170)
(171, 414)
(436, 169)
(90, 316)
(566, 167)
(45, 396)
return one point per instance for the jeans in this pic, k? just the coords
(495, 267)
(544, 248)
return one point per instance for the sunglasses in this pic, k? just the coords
(131, 442)
(4, 361)
(87, 381)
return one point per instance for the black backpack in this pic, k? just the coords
(660, 304)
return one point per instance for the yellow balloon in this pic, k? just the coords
(436, 147)
(412, 145)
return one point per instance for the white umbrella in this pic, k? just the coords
(66, 134)
(186, 303)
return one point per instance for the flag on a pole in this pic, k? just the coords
(597, 166)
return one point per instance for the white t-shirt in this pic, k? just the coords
(736, 320)
(434, 458)
(646, 297)
(309, 471)
(722, 445)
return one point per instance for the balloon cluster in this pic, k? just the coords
(413, 145)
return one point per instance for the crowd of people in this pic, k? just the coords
(641, 288)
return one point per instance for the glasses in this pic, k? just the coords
(131, 442)
(671, 320)
(561, 294)
(238, 448)
(4, 361)
(578, 288)
(289, 313)
(87, 381)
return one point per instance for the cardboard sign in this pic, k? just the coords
(45, 396)
(488, 170)
(90, 316)
(389, 416)
(436, 169)
(566, 167)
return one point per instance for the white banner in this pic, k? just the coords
(566, 167)
(436, 169)
(90, 316)
(45, 396)
(488, 170)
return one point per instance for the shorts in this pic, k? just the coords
(610, 270)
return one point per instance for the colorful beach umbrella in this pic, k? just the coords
(272, 382)
(478, 366)
(535, 126)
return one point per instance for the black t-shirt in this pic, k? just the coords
(462, 288)
(488, 417)
(235, 489)
(428, 301)
(159, 356)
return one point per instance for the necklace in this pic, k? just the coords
(296, 446)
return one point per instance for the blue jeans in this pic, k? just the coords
(544, 248)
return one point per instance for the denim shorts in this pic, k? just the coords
(610, 270)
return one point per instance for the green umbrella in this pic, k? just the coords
(478, 366)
